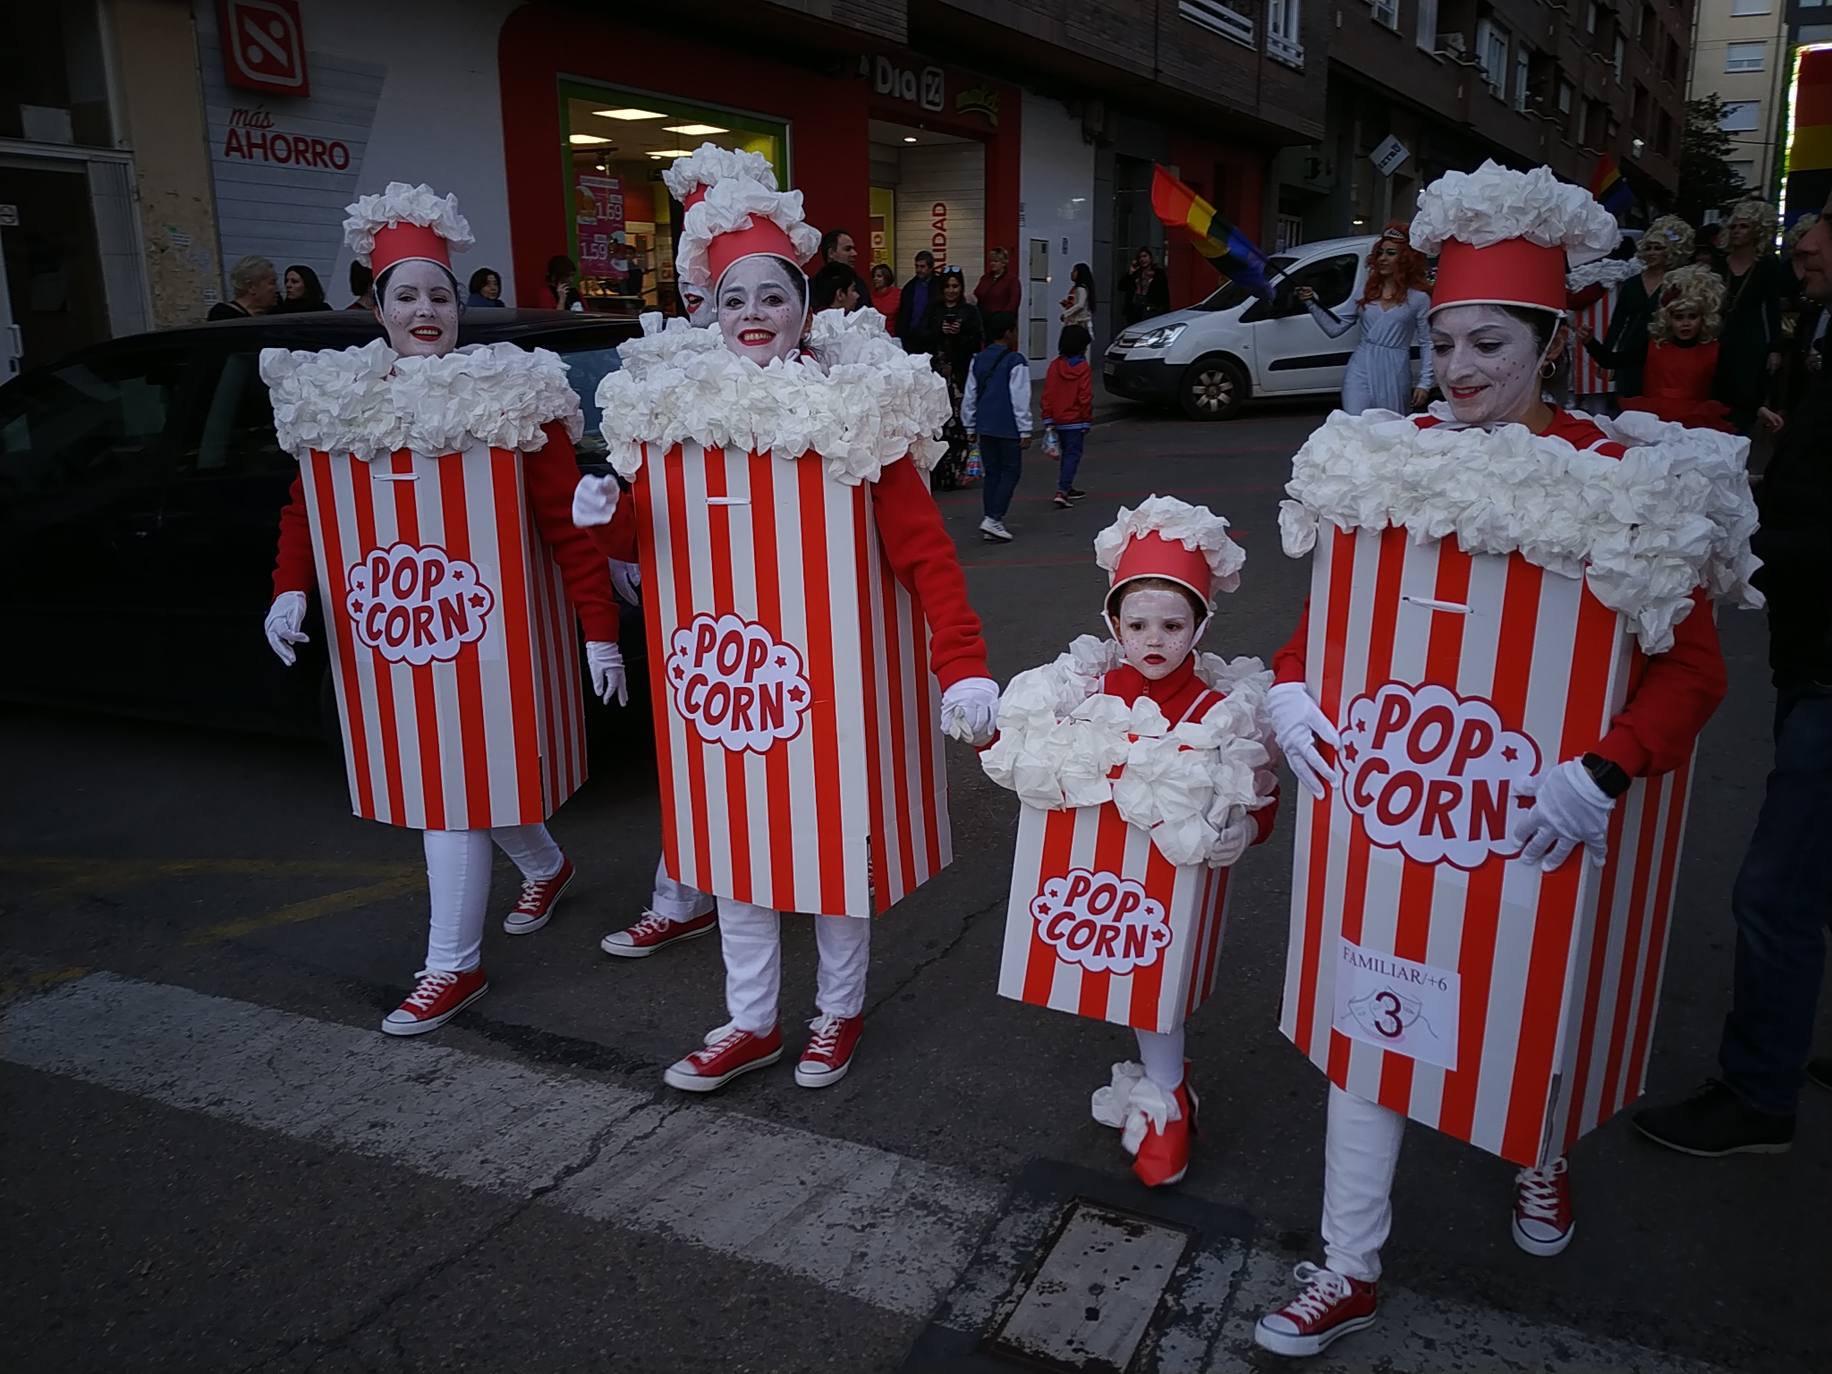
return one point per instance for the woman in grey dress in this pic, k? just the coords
(1391, 313)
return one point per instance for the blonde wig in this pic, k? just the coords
(1763, 215)
(1675, 233)
(1694, 289)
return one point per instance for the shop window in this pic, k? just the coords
(1229, 18)
(1739, 117)
(1282, 32)
(1744, 57)
(621, 222)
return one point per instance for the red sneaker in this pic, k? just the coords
(654, 932)
(535, 907)
(1542, 1223)
(715, 1065)
(435, 999)
(828, 1053)
(1330, 1307)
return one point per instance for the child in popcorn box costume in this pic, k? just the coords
(778, 466)
(433, 512)
(1138, 735)
(1648, 516)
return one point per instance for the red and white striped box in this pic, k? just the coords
(1588, 376)
(452, 644)
(1428, 970)
(1103, 925)
(796, 720)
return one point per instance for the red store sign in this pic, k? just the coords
(264, 46)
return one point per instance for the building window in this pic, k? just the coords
(1523, 76)
(1744, 57)
(1386, 11)
(1219, 17)
(1663, 141)
(1428, 25)
(1492, 55)
(1282, 32)
(1591, 11)
(1620, 54)
(1744, 168)
(1671, 68)
(1749, 6)
(1739, 117)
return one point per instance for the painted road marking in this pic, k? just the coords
(312, 908)
(888, 1230)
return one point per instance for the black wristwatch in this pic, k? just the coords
(1610, 778)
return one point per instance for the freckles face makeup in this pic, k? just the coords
(419, 309)
(1155, 630)
(1487, 362)
(760, 311)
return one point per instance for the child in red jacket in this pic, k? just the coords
(1068, 406)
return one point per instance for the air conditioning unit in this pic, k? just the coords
(1454, 43)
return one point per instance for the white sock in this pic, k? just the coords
(1161, 1052)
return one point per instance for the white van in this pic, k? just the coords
(1217, 354)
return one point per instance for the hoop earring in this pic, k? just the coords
(1547, 370)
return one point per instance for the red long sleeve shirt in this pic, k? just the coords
(1670, 695)
(550, 474)
(1181, 696)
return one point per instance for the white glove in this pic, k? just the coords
(626, 578)
(606, 661)
(1297, 724)
(284, 618)
(595, 501)
(1232, 839)
(1569, 810)
(970, 709)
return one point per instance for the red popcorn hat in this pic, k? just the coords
(1508, 238)
(733, 211)
(404, 223)
(1171, 539)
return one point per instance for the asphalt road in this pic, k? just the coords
(211, 1160)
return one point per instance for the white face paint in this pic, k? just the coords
(1487, 362)
(1155, 630)
(760, 310)
(419, 310)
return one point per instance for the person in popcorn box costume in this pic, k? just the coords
(1091, 728)
(1504, 239)
(410, 451)
(1678, 361)
(838, 391)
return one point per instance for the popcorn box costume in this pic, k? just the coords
(1118, 904)
(452, 643)
(1598, 285)
(1483, 604)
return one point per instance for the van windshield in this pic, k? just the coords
(1230, 294)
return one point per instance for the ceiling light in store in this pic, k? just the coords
(672, 152)
(585, 140)
(630, 112)
(694, 130)
(909, 138)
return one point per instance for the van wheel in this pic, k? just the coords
(1212, 389)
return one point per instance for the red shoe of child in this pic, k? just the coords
(534, 908)
(1163, 1156)
(653, 933)
(435, 999)
(716, 1064)
(1331, 1306)
(1542, 1223)
(1156, 1127)
(829, 1050)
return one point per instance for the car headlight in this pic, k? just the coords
(1162, 337)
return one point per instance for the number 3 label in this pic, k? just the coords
(1398, 1005)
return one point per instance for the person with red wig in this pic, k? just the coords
(1391, 313)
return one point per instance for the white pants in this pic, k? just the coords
(750, 938)
(676, 902)
(458, 878)
(1161, 1052)
(1360, 1154)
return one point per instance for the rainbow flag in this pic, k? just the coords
(1610, 187)
(1234, 254)
(1809, 147)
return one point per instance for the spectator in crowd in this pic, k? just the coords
(562, 291)
(998, 292)
(885, 294)
(1666, 245)
(1707, 247)
(303, 292)
(836, 287)
(1078, 305)
(996, 413)
(1068, 407)
(362, 286)
(1147, 290)
(1804, 358)
(1755, 285)
(837, 246)
(919, 309)
(1782, 900)
(486, 288)
(254, 289)
(960, 329)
